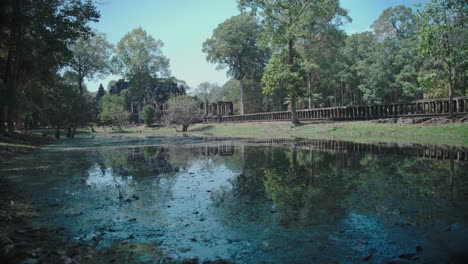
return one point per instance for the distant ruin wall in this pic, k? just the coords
(429, 107)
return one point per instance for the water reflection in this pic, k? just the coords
(248, 201)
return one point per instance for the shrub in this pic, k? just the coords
(148, 114)
(113, 110)
(183, 110)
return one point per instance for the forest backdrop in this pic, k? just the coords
(280, 55)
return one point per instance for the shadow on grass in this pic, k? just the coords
(202, 128)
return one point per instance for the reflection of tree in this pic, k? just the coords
(294, 182)
(410, 189)
(138, 162)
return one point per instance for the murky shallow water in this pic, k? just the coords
(251, 203)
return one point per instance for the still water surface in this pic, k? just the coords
(247, 202)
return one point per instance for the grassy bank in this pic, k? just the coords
(455, 134)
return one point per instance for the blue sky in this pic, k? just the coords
(183, 25)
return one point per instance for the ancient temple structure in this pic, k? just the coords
(218, 109)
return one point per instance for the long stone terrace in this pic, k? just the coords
(429, 107)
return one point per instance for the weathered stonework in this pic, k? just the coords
(421, 108)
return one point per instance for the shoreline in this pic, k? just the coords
(449, 134)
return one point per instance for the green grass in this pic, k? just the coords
(455, 134)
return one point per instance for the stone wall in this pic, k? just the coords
(430, 107)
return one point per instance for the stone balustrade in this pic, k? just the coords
(429, 107)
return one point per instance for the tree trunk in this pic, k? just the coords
(291, 51)
(2, 119)
(294, 119)
(184, 128)
(11, 117)
(448, 58)
(57, 132)
(15, 52)
(80, 84)
(450, 93)
(139, 113)
(73, 132)
(241, 85)
(309, 83)
(69, 132)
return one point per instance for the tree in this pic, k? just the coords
(91, 57)
(48, 23)
(65, 106)
(393, 71)
(279, 75)
(140, 59)
(100, 93)
(148, 114)
(443, 36)
(139, 53)
(318, 52)
(205, 91)
(254, 97)
(286, 21)
(234, 45)
(183, 110)
(113, 110)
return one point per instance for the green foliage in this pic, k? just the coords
(183, 110)
(286, 21)
(65, 105)
(148, 114)
(254, 98)
(91, 57)
(100, 93)
(234, 45)
(113, 110)
(279, 75)
(139, 54)
(443, 45)
(140, 59)
(34, 39)
(206, 92)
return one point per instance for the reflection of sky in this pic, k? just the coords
(104, 180)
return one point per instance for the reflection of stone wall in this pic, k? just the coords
(222, 150)
(415, 150)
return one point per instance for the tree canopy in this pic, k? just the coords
(234, 44)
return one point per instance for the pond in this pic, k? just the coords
(251, 202)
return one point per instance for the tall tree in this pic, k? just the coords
(53, 22)
(286, 21)
(234, 44)
(140, 59)
(444, 37)
(395, 66)
(279, 75)
(90, 57)
(205, 91)
(318, 52)
(100, 93)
